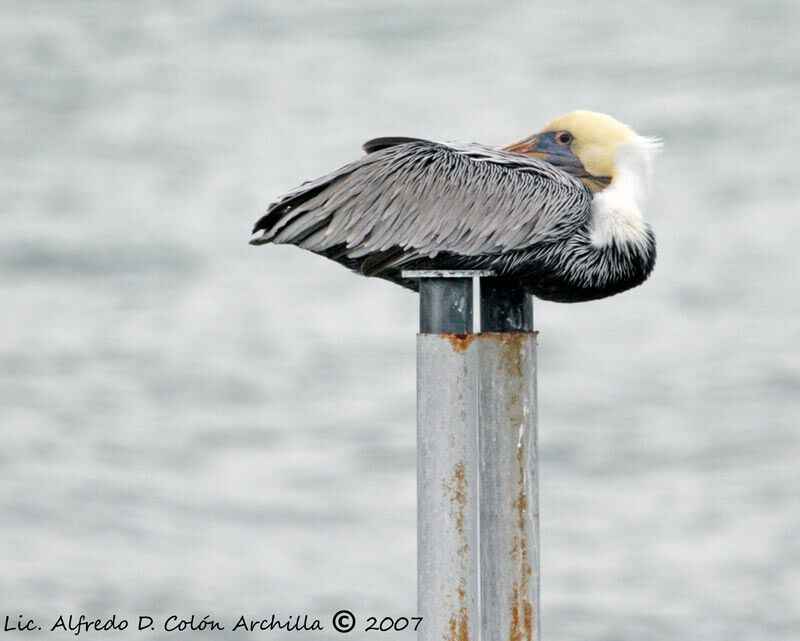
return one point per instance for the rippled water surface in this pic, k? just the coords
(193, 425)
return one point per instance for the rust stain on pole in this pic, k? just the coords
(511, 352)
(460, 342)
(521, 608)
(457, 489)
(459, 630)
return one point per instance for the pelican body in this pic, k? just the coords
(559, 212)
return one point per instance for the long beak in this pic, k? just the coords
(527, 145)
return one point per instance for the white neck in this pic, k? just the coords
(617, 210)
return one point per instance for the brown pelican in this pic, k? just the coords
(559, 212)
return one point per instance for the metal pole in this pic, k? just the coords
(509, 498)
(476, 443)
(505, 307)
(447, 484)
(447, 455)
(445, 306)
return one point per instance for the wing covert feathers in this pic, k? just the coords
(411, 199)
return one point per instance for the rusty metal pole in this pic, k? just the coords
(508, 480)
(477, 500)
(447, 459)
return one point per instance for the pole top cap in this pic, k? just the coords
(447, 273)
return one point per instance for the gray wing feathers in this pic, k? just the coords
(427, 198)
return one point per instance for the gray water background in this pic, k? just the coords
(192, 425)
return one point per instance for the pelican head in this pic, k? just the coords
(591, 146)
(611, 160)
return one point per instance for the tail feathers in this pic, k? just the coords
(277, 211)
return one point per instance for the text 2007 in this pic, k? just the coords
(388, 624)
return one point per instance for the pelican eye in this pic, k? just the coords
(563, 138)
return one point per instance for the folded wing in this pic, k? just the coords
(411, 199)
